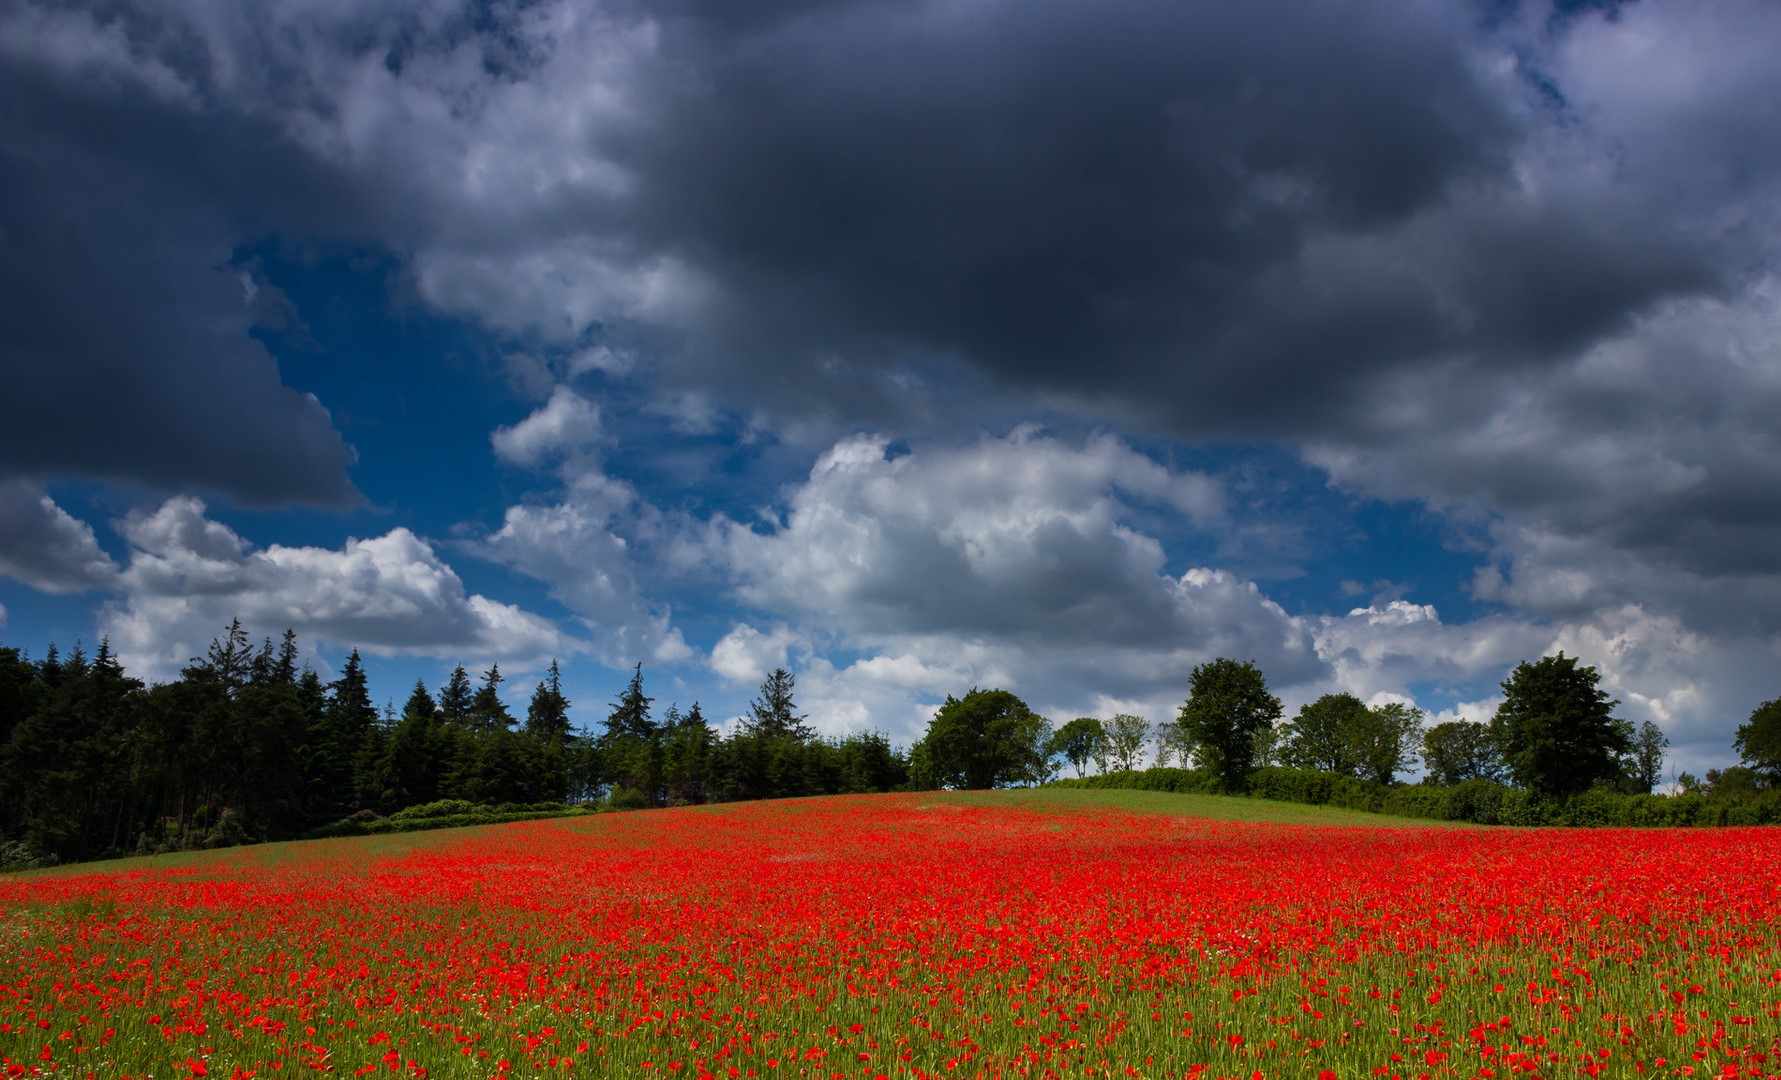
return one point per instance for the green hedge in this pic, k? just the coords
(445, 814)
(1179, 781)
(1481, 802)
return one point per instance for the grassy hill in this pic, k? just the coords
(1212, 807)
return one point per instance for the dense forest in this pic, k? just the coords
(249, 744)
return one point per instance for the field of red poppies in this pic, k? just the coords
(914, 935)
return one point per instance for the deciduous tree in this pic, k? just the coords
(1758, 740)
(1124, 745)
(1079, 742)
(1326, 735)
(1643, 766)
(1557, 728)
(1386, 742)
(1228, 704)
(1460, 750)
(986, 739)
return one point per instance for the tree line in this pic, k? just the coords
(1555, 736)
(250, 744)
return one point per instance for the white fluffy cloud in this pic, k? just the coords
(1022, 538)
(1022, 561)
(45, 547)
(746, 655)
(188, 576)
(1381, 649)
(566, 424)
(574, 545)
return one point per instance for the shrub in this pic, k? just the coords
(627, 799)
(1479, 801)
(22, 855)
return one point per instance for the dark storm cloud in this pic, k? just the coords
(1166, 208)
(124, 334)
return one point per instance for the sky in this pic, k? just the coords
(912, 346)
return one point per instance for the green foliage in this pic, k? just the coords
(487, 711)
(23, 855)
(1315, 787)
(1458, 751)
(1324, 734)
(1556, 728)
(1161, 778)
(1643, 765)
(986, 739)
(446, 814)
(1758, 740)
(1124, 743)
(1079, 742)
(1227, 706)
(1338, 733)
(1475, 801)
(1733, 782)
(773, 714)
(547, 717)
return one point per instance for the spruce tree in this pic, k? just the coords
(630, 751)
(773, 715)
(547, 717)
(285, 671)
(455, 698)
(487, 712)
(629, 718)
(336, 738)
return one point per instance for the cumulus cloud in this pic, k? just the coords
(45, 547)
(1382, 649)
(574, 546)
(188, 576)
(1017, 561)
(1018, 537)
(564, 425)
(745, 655)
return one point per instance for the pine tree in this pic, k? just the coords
(230, 659)
(629, 717)
(336, 738)
(630, 751)
(547, 717)
(420, 706)
(262, 670)
(286, 669)
(455, 698)
(773, 714)
(686, 755)
(487, 713)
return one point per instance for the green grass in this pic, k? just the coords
(1214, 807)
(247, 856)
